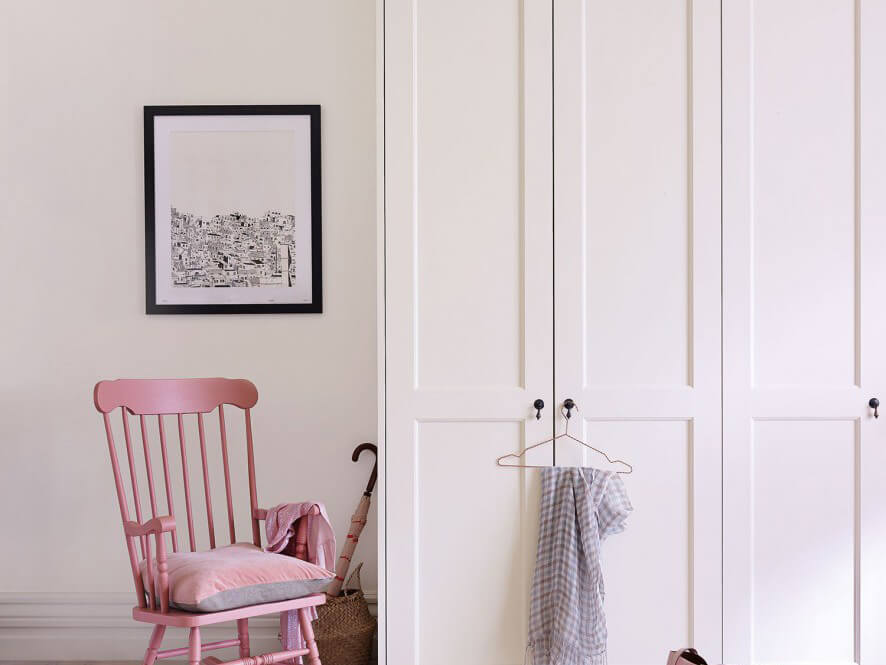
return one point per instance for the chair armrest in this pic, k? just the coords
(157, 525)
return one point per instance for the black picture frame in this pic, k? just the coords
(316, 251)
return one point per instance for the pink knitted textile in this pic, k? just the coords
(281, 524)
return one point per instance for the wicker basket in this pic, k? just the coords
(344, 627)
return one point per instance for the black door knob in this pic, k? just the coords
(538, 405)
(568, 404)
(874, 403)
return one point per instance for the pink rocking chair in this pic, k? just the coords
(180, 397)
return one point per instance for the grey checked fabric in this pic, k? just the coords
(580, 507)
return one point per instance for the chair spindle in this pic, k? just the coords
(206, 491)
(132, 475)
(169, 504)
(162, 575)
(149, 572)
(224, 447)
(253, 500)
(148, 468)
(181, 440)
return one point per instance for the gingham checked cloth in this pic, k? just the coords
(580, 507)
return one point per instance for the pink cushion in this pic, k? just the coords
(237, 575)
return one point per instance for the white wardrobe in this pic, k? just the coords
(673, 213)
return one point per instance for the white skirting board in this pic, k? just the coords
(99, 626)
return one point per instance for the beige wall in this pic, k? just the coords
(75, 78)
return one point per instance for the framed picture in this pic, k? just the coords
(232, 209)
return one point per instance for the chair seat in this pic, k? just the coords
(237, 575)
(183, 619)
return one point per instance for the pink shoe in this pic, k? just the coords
(686, 657)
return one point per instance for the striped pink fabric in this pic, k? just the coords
(281, 524)
(282, 521)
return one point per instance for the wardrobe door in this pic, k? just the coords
(805, 331)
(469, 321)
(637, 226)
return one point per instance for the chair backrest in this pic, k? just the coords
(178, 399)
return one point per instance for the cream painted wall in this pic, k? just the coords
(75, 77)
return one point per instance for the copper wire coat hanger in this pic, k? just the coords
(565, 435)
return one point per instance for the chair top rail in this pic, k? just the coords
(171, 396)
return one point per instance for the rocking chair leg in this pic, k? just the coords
(243, 635)
(194, 646)
(307, 633)
(154, 644)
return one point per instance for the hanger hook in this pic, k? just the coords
(566, 411)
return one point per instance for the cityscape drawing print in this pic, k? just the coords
(232, 209)
(232, 250)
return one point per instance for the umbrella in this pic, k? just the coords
(358, 521)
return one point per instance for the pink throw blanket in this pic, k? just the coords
(282, 524)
